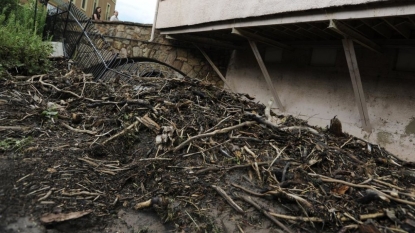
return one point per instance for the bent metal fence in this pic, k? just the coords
(88, 49)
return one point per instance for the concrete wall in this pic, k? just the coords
(174, 13)
(317, 94)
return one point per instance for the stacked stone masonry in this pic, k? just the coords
(131, 40)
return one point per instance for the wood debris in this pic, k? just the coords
(191, 151)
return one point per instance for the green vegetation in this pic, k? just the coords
(14, 144)
(50, 114)
(21, 47)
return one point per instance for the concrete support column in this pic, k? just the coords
(266, 75)
(357, 83)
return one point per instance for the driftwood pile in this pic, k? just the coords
(205, 159)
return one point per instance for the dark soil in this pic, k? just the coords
(69, 143)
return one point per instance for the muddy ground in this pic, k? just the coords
(179, 155)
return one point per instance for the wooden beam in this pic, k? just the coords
(292, 29)
(204, 41)
(357, 83)
(291, 32)
(365, 30)
(318, 31)
(266, 75)
(261, 39)
(307, 33)
(350, 33)
(215, 68)
(379, 26)
(283, 33)
(412, 19)
(401, 28)
(383, 29)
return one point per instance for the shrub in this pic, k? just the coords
(7, 6)
(21, 47)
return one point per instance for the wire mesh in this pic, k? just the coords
(88, 49)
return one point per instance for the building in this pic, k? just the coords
(88, 6)
(315, 59)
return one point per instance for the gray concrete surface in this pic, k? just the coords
(318, 93)
(173, 13)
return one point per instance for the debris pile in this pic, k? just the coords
(205, 159)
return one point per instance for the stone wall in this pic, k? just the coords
(131, 40)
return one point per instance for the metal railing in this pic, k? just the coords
(83, 43)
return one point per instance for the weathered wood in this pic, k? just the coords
(357, 83)
(266, 75)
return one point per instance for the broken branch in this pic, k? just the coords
(122, 132)
(228, 199)
(79, 130)
(219, 131)
(280, 224)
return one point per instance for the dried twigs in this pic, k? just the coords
(216, 168)
(301, 128)
(317, 219)
(262, 120)
(249, 151)
(24, 177)
(147, 121)
(218, 124)
(89, 162)
(247, 190)
(129, 102)
(50, 218)
(228, 199)
(155, 159)
(266, 213)
(370, 216)
(219, 131)
(79, 130)
(279, 192)
(346, 142)
(331, 180)
(297, 218)
(110, 167)
(13, 128)
(122, 132)
(278, 155)
(60, 90)
(389, 185)
(46, 196)
(36, 191)
(78, 193)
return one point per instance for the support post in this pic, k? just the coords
(67, 18)
(266, 75)
(153, 28)
(215, 68)
(357, 83)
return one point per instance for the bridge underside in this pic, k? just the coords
(356, 63)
